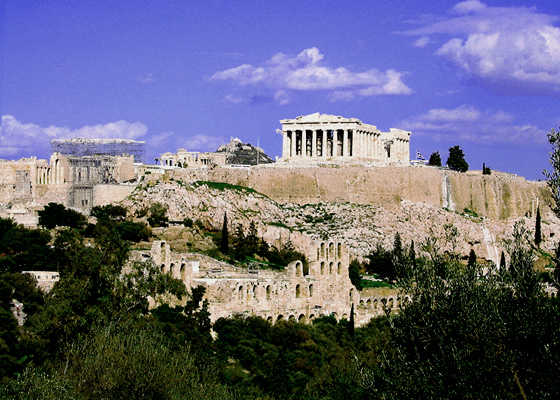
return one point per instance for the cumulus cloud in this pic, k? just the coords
(306, 72)
(466, 123)
(27, 139)
(504, 49)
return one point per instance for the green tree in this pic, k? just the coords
(354, 274)
(158, 215)
(474, 335)
(538, 234)
(54, 214)
(486, 170)
(224, 243)
(456, 160)
(435, 159)
(553, 176)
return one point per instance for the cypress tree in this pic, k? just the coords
(538, 235)
(351, 322)
(502, 261)
(472, 258)
(224, 244)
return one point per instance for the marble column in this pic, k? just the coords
(314, 143)
(303, 143)
(293, 143)
(285, 145)
(345, 143)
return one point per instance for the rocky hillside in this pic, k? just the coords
(361, 226)
(244, 153)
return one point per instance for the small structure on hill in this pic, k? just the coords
(322, 137)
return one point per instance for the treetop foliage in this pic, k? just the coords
(456, 160)
(435, 159)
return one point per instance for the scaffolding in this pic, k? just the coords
(93, 147)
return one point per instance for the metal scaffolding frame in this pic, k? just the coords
(92, 147)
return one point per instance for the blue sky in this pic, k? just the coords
(192, 74)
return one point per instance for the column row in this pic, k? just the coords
(318, 143)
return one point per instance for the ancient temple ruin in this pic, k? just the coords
(297, 293)
(329, 137)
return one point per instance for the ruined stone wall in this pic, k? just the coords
(497, 196)
(108, 194)
(296, 293)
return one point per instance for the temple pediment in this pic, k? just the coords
(317, 118)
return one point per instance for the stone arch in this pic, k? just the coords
(311, 317)
(172, 269)
(298, 291)
(384, 302)
(255, 292)
(331, 268)
(322, 268)
(280, 317)
(362, 303)
(269, 319)
(344, 316)
(351, 294)
(240, 293)
(335, 315)
(162, 268)
(301, 318)
(339, 268)
(299, 268)
(368, 303)
(318, 253)
(391, 303)
(183, 271)
(268, 290)
(375, 304)
(292, 318)
(322, 249)
(339, 251)
(311, 290)
(331, 254)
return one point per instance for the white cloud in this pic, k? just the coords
(24, 140)
(466, 123)
(512, 49)
(306, 72)
(422, 42)
(201, 143)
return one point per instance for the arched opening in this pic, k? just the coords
(172, 269)
(292, 318)
(162, 268)
(331, 251)
(361, 303)
(339, 251)
(298, 291)
(318, 253)
(268, 292)
(305, 269)
(280, 317)
(254, 293)
(310, 290)
(240, 293)
(375, 304)
(183, 271)
(269, 319)
(351, 294)
(301, 318)
(344, 316)
(339, 268)
(330, 268)
(391, 304)
(322, 268)
(312, 317)
(299, 268)
(322, 250)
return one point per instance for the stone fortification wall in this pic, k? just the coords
(497, 196)
(107, 194)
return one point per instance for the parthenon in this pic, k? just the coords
(321, 136)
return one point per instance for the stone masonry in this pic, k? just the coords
(298, 293)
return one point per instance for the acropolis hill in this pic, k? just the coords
(341, 188)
